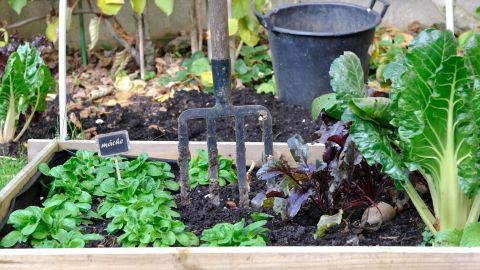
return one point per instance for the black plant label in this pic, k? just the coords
(113, 143)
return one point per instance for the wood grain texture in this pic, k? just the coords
(247, 258)
(21, 179)
(169, 149)
(218, 22)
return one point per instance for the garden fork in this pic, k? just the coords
(223, 108)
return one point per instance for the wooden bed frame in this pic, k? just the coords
(251, 258)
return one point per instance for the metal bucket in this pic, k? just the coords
(306, 38)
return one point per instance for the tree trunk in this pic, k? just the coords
(149, 48)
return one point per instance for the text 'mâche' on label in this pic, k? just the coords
(113, 143)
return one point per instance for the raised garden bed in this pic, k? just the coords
(215, 258)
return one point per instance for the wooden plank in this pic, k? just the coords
(169, 149)
(22, 178)
(247, 258)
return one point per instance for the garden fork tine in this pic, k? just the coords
(223, 108)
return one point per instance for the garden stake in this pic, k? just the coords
(223, 108)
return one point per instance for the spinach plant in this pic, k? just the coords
(238, 234)
(431, 125)
(198, 170)
(25, 83)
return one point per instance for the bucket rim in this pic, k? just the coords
(378, 20)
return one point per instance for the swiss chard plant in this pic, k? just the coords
(198, 170)
(24, 85)
(430, 125)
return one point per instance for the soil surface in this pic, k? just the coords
(404, 230)
(147, 120)
(157, 121)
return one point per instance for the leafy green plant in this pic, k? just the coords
(140, 206)
(198, 170)
(243, 22)
(54, 225)
(431, 126)
(25, 85)
(254, 68)
(9, 167)
(230, 235)
(196, 70)
(149, 75)
(386, 50)
(145, 222)
(341, 180)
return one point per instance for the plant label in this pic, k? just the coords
(114, 143)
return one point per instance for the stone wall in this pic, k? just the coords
(400, 14)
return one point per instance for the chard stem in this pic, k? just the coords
(27, 123)
(474, 214)
(421, 207)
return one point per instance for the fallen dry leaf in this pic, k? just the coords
(102, 91)
(90, 133)
(160, 65)
(123, 83)
(72, 117)
(111, 103)
(139, 86)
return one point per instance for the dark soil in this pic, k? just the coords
(147, 120)
(157, 121)
(404, 230)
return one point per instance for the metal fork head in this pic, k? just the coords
(222, 109)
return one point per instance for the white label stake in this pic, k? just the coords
(119, 175)
(112, 144)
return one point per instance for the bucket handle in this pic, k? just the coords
(263, 19)
(385, 6)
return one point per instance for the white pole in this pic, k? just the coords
(449, 6)
(62, 68)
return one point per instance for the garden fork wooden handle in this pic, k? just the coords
(218, 20)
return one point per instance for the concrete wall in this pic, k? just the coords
(160, 25)
(400, 14)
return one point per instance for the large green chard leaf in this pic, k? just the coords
(412, 90)
(12, 90)
(472, 55)
(376, 148)
(469, 180)
(25, 84)
(353, 84)
(375, 109)
(347, 81)
(37, 77)
(433, 108)
(441, 149)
